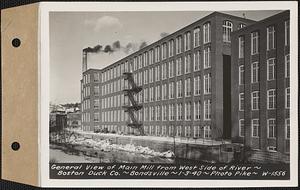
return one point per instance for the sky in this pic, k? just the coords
(71, 32)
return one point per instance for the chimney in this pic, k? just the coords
(84, 61)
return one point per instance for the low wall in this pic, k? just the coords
(197, 152)
(260, 156)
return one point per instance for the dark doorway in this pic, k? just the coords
(226, 96)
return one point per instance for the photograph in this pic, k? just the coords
(169, 87)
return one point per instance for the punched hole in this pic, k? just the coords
(16, 42)
(15, 146)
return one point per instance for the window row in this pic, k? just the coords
(271, 39)
(271, 70)
(271, 100)
(271, 128)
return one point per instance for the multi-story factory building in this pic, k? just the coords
(261, 84)
(186, 80)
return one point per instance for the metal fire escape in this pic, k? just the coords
(133, 107)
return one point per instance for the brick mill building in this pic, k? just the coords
(261, 84)
(186, 80)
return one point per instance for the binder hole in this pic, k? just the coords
(15, 146)
(16, 42)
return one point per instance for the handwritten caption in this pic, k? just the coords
(168, 171)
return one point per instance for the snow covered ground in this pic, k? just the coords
(107, 146)
(156, 138)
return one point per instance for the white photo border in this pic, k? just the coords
(44, 90)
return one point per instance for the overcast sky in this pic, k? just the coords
(70, 32)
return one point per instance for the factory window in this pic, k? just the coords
(197, 83)
(287, 98)
(271, 99)
(207, 132)
(96, 77)
(157, 112)
(171, 69)
(207, 109)
(146, 114)
(287, 65)
(171, 130)
(126, 67)
(254, 43)
(151, 94)
(255, 100)
(197, 61)
(151, 57)
(241, 75)
(153, 113)
(188, 115)
(254, 72)
(172, 112)
(241, 101)
(255, 127)
(164, 113)
(151, 75)
(157, 130)
(164, 51)
(140, 79)
(178, 66)
(242, 25)
(171, 48)
(141, 61)
(135, 63)
(146, 76)
(179, 112)
(178, 131)
(179, 89)
(146, 99)
(187, 131)
(157, 54)
(207, 83)
(188, 87)
(197, 131)
(187, 63)
(270, 37)
(178, 44)
(157, 73)
(96, 104)
(164, 71)
(241, 46)
(171, 90)
(196, 37)
(271, 128)
(164, 92)
(164, 130)
(96, 90)
(96, 117)
(287, 32)
(187, 41)
(206, 33)
(227, 29)
(197, 110)
(206, 57)
(146, 129)
(157, 92)
(287, 128)
(145, 58)
(241, 127)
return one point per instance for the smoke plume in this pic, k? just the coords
(116, 46)
(163, 34)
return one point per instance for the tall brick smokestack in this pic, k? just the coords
(84, 61)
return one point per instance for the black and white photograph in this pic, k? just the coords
(171, 88)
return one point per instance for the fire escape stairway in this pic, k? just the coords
(133, 107)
